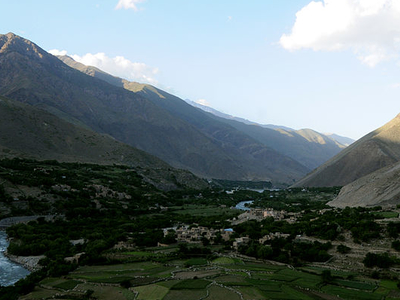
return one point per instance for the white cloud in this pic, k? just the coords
(117, 66)
(129, 4)
(203, 102)
(58, 52)
(370, 28)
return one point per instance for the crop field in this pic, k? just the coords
(155, 281)
(387, 214)
(151, 292)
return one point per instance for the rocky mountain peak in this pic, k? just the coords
(11, 42)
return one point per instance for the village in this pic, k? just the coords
(195, 234)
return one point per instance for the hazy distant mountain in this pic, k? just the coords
(307, 146)
(148, 119)
(229, 117)
(346, 141)
(376, 150)
(28, 132)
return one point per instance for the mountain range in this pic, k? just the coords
(368, 170)
(132, 115)
(306, 146)
(378, 149)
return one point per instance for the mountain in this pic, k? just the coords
(148, 119)
(229, 117)
(381, 187)
(306, 146)
(376, 150)
(346, 141)
(28, 132)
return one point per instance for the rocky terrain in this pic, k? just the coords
(376, 150)
(381, 187)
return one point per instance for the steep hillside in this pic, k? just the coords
(376, 150)
(27, 132)
(29, 74)
(306, 146)
(381, 187)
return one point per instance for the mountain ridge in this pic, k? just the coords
(29, 132)
(377, 149)
(310, 148)
(42, 80)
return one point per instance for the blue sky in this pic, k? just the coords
(329, 65)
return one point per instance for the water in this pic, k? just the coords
(10, 272)
(241, 205)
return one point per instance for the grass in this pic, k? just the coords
(218, 293)
(39, 293)
(195, 262)
(356, 285)
(350, 294)
(266, 286)
(67, 285)
(185, 294)
(190, 284)
(386, 214)
(232, 280)
(224, 261)
(253, 280)
(286, 293)
(250, 293)
(151, 292)
(139, 253)
(106, 292)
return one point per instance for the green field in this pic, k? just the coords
(387, 214)
(151, 292)
(224, 278)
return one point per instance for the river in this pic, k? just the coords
(242, 205)
(10, 272)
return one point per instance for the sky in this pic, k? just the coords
(328, 65)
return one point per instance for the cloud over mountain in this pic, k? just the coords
(117, 66)
(370, 28)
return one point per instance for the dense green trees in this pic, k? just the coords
(378, 260)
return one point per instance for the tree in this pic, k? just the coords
(343, 249)
(326, 276)
(379, 260)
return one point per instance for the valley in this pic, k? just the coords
(114, 189)
(183, 243)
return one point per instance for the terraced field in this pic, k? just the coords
(221, 278)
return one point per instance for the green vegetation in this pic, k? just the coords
(111, 220)
(191, 284)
